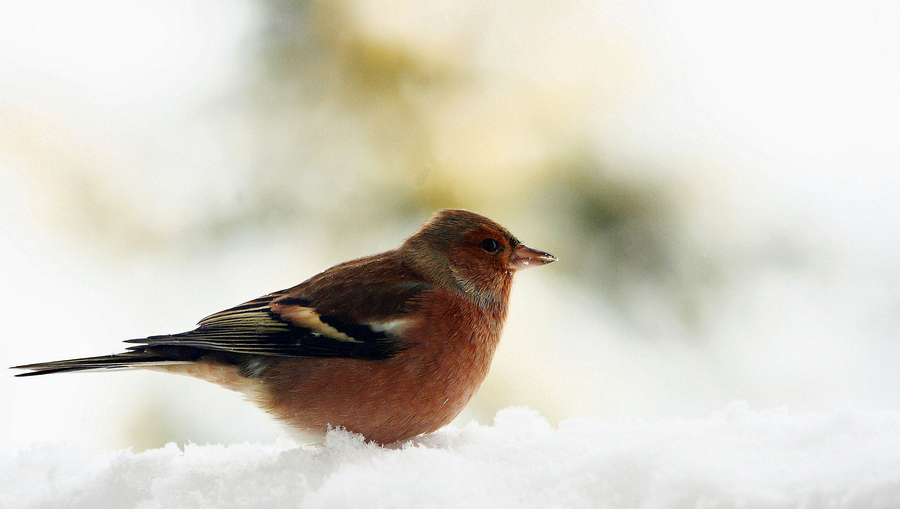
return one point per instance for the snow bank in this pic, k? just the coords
(735, 458)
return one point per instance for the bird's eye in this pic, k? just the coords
(490, 245)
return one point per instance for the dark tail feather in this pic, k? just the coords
(133, 359)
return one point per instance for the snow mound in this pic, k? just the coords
(735, 458)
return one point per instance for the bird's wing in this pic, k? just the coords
(300, 323)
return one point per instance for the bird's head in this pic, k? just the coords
(465, 250)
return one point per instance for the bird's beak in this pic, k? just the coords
(524, 257)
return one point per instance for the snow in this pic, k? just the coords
(738, 457)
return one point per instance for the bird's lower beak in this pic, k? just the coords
(524, 257)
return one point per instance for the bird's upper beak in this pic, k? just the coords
(524, 257)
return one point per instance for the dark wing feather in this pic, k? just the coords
(285, 325)
(322, 317)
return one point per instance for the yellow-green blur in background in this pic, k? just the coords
(719, 181)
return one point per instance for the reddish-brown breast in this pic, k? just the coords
(419, 390)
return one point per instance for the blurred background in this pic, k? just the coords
(720, 182)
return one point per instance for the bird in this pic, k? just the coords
(390, 346)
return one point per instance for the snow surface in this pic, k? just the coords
(735, 458)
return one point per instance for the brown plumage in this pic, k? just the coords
(391, 345)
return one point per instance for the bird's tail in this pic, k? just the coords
(131, 359)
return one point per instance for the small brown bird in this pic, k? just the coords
(390, 346)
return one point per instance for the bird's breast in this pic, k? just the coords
(418, 390)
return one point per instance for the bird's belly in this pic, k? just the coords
(385, 401)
